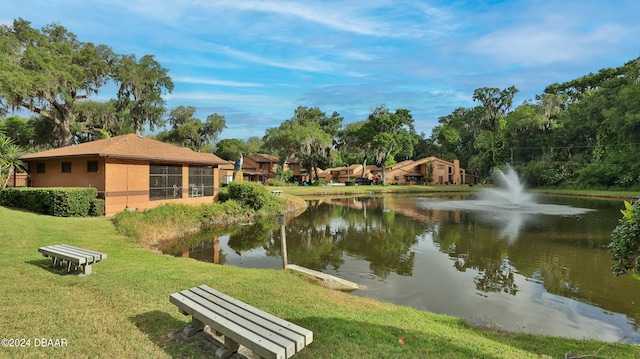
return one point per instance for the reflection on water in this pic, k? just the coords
(519, 271)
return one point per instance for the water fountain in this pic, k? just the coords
(508, 206)
(509, 197)
(513, 194)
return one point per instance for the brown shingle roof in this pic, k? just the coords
(261, 157)
(130, 146)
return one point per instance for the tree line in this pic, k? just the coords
(581, 133)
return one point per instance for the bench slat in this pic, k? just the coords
(251, 321)
(228, 328)
(71, 253)
(63, 254)
(97, 256)
(302, 336)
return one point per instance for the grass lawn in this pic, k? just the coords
(122, 310)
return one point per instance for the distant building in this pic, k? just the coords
(261, 167)
(430, 170)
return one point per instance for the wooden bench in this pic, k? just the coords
(76, 258)
(241, 324)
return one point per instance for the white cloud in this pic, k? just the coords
(536, 45)
(204, 81)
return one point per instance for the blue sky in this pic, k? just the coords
(255, 62)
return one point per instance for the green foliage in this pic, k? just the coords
(60, 202)
(51, 73)
(191, 132)
(253, 196)
(429, 177)
(309, 135)
(599, 175)
(9, 158)
(142, 85)
(319, 183)
(97, 207)
(542, 174)
(230, 148)
(177, 215)
(17, 129)
(388, 134)
(625, 244)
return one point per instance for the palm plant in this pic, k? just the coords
(10, 154)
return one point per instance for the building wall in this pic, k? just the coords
(19, 179)
(78, 177)
(128, 187)
(124, 184)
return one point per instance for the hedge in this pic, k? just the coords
(55, 201)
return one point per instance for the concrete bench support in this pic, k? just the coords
(76, 258)
(241, 324)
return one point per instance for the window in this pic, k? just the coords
(263, 165)
(40, 168)
(440, 167)
(200, 181)
(165, 182)
(92, 166)
(66, 167)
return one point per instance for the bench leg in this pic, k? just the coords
(86, 269)
(195, 327)
(230, 347)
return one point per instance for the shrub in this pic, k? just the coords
(249, 194)
(597, 174)
(97, 207)
(61, 202)
(320, 182)
(625, 245)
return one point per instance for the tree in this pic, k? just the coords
(389, 133)
(18, 130)
(190, 131)
(288, 139)
(142, 85)
(48, 71)
(230, 148)
(457, 133)
(496, 104)
(321, 138)
(97, 120)
(305, 135)
(354, 146)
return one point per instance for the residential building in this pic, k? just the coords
(261, 167)
(129, 172)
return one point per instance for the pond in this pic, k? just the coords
(521, 272)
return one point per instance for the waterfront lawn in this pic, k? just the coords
(123, 309)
